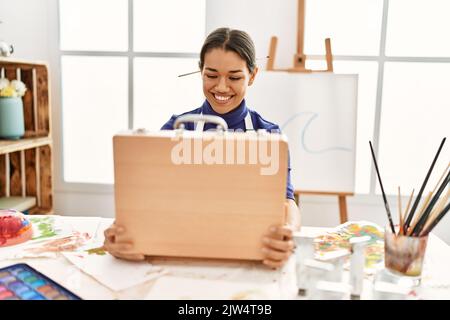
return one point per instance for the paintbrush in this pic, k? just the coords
(422, 188)
(419, 214)
(439, 206)
(189, 73)
(386, 204)
(403, 231)
(194, 72)
(436, 221)
(400, 217)
(418, 228)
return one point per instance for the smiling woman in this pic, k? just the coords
(227, 63)
(228, 68)
(225, 79)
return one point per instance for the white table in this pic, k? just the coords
(282, 283)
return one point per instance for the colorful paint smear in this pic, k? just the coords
(45, 227)
(69, 243)
(98, 251)
(339, 239)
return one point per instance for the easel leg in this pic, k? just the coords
(272, 51)
(343, 209)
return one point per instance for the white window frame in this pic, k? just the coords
(100, 188)
(381, 59)
(370, 198)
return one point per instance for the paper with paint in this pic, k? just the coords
(49, 227)
(339, 239)
(113, 273)
(179, 288)
(53, 234)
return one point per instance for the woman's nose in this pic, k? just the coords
(222, 86)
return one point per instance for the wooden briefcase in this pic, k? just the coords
(199, 194)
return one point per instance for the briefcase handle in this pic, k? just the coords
(221, 124)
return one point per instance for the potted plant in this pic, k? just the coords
(11, 109)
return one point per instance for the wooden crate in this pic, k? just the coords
(26, 164)
(36, 102)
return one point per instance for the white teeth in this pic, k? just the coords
(222, 98)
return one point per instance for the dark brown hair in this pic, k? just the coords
(230, 40)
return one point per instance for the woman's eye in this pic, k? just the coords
(211, 76)
(235, 78)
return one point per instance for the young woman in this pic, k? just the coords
(228, 67)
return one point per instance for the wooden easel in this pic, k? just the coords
(343, 215)
(299, 57)
(299, 66)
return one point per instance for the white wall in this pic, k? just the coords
(25, 26)
(262, 19)
(31, 26)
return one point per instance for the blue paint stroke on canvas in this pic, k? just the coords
(303, 131)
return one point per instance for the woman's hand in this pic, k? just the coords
(122, 249)
(277, 246)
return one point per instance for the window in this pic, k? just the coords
(129, 79)
(119, 71)
(398, 49)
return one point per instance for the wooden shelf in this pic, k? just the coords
(9, 146)
(26, 164)
(17, 203)
(40, 211)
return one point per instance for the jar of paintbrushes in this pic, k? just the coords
(406, 243)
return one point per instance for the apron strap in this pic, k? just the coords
(248, 122)
(199, 126)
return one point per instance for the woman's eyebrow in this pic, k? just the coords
(214, 70)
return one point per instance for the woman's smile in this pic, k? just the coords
(222, 98)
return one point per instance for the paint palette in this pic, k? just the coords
(22, 282)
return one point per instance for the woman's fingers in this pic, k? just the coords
(276, 255)
(113, 231)
(278, 246)
(134, 256)
(282, 232)
(286, 245)
(122, 247)
(273, 264)
(123, 250)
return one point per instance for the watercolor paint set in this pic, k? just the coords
(22, 282)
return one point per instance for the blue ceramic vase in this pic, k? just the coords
(11, 118)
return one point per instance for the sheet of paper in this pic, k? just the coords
(46, 227)
(89, 225)
(113, 273)
(179, 288)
